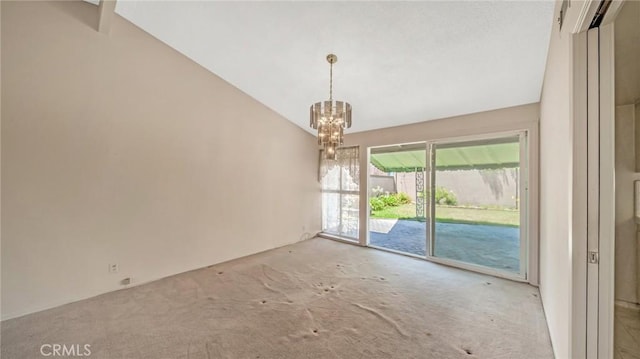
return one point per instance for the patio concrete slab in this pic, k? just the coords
(382, 225)
(496, 247)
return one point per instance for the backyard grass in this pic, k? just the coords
(448, 214)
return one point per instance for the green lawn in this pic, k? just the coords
(499, 217)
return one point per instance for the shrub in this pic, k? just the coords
(376, 203)
(391, 200)
(388, 200)
(403, 198)
(444, 196)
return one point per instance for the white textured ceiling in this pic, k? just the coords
(399, 62)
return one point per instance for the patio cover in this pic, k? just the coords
(452, 157)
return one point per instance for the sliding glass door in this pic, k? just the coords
(461, 202)
(478, 196)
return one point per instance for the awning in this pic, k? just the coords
(450, 157)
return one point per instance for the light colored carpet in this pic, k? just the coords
(627, 333)
(313, 299)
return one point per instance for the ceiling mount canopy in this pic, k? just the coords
(330, 118)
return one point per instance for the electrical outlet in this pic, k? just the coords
(125, 281)
(113, 268)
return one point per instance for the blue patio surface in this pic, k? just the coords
(491, 246)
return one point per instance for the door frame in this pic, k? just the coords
(365, 239)
(593, 194)
(606, 275)
(601, 282)
(593, 284)
(601, 191)
(528, 186)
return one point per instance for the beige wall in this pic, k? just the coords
(556, 135)
(627, 93)
(118, 149)
(516, 118)
(627, 54)
(508, 119)
(626, 243)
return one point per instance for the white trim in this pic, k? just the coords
(584, 15)
(476, 268)
(578, 200)
(523, 183)
(606, 278)
(612, 12)
(533, 221)
(398, 144)
(593, 187)
(397, 252)
(483, 136)
(333, 237)
(454, 264)
(363, 239)
(431, 208)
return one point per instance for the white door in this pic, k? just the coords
(600, 192)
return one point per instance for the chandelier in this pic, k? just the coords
(330, 118)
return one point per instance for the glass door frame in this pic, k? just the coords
(367, 241)
(523, 205)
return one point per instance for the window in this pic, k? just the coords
(340, 180)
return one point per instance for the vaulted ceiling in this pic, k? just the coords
(399, 62)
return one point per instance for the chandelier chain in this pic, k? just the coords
(331, 81)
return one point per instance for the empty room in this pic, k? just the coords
(320, 179)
